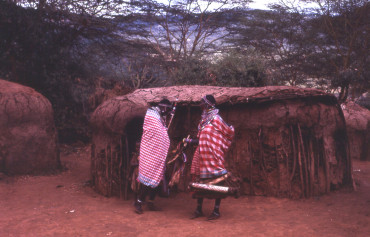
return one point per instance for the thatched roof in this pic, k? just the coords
(114, 114)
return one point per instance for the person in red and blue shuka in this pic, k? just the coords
(214, 139)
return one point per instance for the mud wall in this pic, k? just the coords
(358, 129)
(288, 148)
(28, 138)
(291, 148)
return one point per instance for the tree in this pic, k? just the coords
(279, 36)
(337, 36)
(240, 68)
(60, 54)
(344, 33)
(186, 30)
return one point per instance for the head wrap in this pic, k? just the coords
(208, 102)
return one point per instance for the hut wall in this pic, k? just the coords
(108, 163)
(291, 148)
(28, 137)
(287, 148)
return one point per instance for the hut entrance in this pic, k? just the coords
(134, 131)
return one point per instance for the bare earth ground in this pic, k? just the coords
(64, 205)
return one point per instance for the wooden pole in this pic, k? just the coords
(304, 161)
(262, 160)
(327, 171)
(127, 160)
(92, 164)
(294, 158)
(300, 167)
(251, 168)
(278, 168)
(106, 170)
(110, 170)
(312, 167)
(119, 156)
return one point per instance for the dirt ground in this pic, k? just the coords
(65, 205)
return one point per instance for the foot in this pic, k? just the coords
(214, 216)
(138, 208)
(152, 207)
(197, 214)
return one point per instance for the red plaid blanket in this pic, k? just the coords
(153, 149)
(214, 140)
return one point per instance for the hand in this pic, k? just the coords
(187, 140)
(195, 178)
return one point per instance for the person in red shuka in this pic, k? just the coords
(214, 139)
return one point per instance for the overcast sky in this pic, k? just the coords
(261, 4)
(257, 4)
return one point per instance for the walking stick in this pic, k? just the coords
(172, 113)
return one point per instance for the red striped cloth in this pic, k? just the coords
(214, 140)
(153, 149)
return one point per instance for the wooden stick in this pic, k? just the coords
(106, 169)
(119, 156)
(300, 168)
(262, 160)
(251, 168)
(304, 160)
(327, 172)
(312, 168)
(318, 165)
(278, 167)
(126, 167)
(111, 172)
(294, 155)
(92, 164)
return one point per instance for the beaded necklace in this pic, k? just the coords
(207, 117)
(163, 119)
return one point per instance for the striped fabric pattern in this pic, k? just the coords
(214, 140)
(153, 149)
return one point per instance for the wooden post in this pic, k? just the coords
(92, 164)
(106, 170)
(304, 161)
(127, 160)
(294, 158)
(300, 167)
(312, 167)
(120, 156)
(262, 160)
(251, 168)
(278, 167)
(109, 153)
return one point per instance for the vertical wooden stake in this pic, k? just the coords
(304, 160)
(251, 168)
(294, 158)
(278, 168)
(120, 155)
(127, 160)
(312, 168)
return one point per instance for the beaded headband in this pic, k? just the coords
(165, 105)
(207, 101)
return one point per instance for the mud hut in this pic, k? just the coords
(28, 138)
(358, 130)
(289, 142)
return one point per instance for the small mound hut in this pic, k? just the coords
(28, 138)
(289, 142)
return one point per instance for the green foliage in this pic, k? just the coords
(50, 51)
(236, 69)
(240, 69)
(193, 71)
